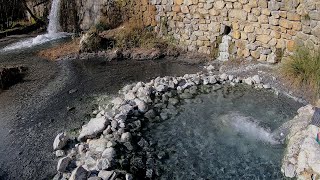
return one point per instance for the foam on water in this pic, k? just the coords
(248, 127)
(52, 31)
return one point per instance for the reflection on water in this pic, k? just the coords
(225, 136)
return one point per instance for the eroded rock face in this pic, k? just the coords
(302, 158)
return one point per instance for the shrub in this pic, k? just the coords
(302, 69)
(134, 35)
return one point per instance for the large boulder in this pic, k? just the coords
(301, 159)
(93, 128)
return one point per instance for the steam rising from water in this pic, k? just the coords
(53, 31)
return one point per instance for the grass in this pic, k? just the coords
(61, 50)
(302, 70)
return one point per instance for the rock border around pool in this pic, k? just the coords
(111, 145)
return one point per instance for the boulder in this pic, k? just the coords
(109, 153)
(79, 174)
(63, 164)
(93, 128)
(60, 141)
(107, 175)
(301, 158)
(142, 106)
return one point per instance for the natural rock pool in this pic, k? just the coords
(226, 134)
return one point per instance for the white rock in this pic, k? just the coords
(117, 101)
(98, 145)
(59, 153)
(125, 137)
(212, 80)
(256, 79)
(210, 67)
(267, 86)
(79, 174)
(109, 153)
(248, 81)
(60, 141)
(224, 77)
(142, 106)
(107, 175)
(63, 164)
(95, 126)
(130, 96)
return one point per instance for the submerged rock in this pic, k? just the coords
(95, 126)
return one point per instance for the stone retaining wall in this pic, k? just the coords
(260, 29)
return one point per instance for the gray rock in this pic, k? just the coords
(224, 77)
(173, 101)
(186, 95)
(107, 175)
(129, 177)
(109, 153)
(94, 127)
(98, 145)
(126, 137)
(111, 144)
(256, 79)
(161, 88)
(142, 106)
(79, 174)
(60, 141)
(150, 114)
(248, 81)
(63, 163)
(104, 164)
(94, 178)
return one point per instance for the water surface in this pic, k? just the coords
(225, 135)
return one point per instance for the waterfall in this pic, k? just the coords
(54, 16)
(52, 31)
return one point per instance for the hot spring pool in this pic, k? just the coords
(226, 134)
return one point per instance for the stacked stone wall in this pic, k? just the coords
(264, 30)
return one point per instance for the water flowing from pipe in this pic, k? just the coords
(52, 31)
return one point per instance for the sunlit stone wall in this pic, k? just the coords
(264, 30)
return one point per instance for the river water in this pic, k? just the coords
(226, 134)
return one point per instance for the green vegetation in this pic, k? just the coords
(302, 69)
(134, 35)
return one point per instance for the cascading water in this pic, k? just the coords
(52, 31)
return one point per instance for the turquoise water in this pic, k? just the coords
(224, 135)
